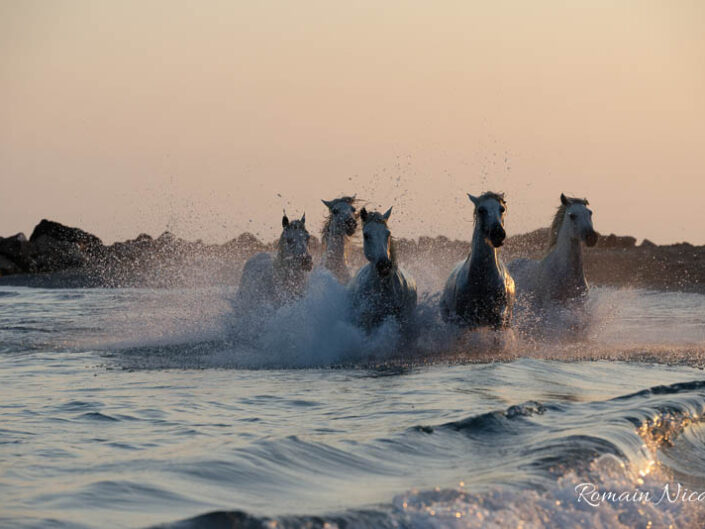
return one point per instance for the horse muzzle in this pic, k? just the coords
(384, 267)
(497, 236)
(591, 238)
(350, 227)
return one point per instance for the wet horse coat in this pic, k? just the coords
(559, 276)
(381, 289)
(339, 227)
(278, 279)
(480, 291)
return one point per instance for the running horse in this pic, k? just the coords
(337, 230)
(381, 289)
(559, 276)
(281, 278)
(480, 291)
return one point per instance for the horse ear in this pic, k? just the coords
(363, 214)
(329, 204)
(285, 221)
(303, 219)
(564, 199)
(473, 199)
(387, 214)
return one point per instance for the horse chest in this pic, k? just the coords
(375, 298)
(563, 282)
(483, 298)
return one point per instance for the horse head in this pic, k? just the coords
(293, 244)
(489, 216)
(343, 217)
(578, 219)
(377, 240)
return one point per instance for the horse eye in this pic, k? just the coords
(502, 209)
(481, 211)
(367, 236)
(572, 216)
(589, 212)
(335, 211)
(353, 210)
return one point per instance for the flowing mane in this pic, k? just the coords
(559, 217)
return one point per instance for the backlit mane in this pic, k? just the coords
(559, 217)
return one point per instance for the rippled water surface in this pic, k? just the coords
(134, 408)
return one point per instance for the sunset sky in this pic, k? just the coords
(209, 118)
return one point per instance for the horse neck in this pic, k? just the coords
(482, 255)
(568, 253)
(334, 246)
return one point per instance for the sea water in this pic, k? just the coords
(140, 408)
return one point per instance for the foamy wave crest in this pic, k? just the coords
(312, 331)
(590, 500)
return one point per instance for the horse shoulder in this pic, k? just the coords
(455, 279)
(360, 280)
(257, 270)
(258, 261)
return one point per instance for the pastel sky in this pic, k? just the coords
(209, 118)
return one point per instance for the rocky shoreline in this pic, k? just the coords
(58, 256)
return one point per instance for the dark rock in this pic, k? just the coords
(646, 243)
(166, 238)
(17, 250)
(8, 267)
(681, 245)
(59, 232)
(616, 241)
(51, 255)
(245, 244)
(10, 246)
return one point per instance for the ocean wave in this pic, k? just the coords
(555, 447)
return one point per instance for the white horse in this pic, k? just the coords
(339, 227)
(380, 288)
(480, 291)
(559, 276)
(278, 279)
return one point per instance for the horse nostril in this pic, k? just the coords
(591, 238)
(351, 224)
(497, 236)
